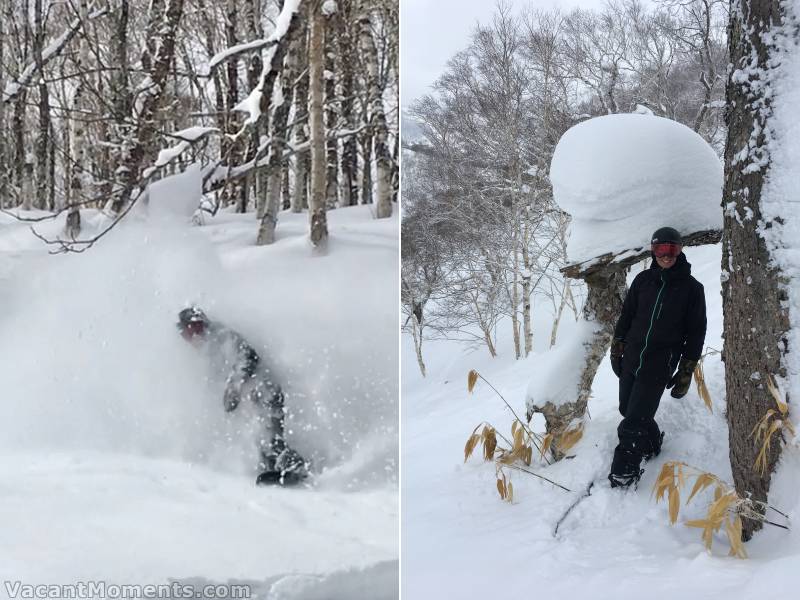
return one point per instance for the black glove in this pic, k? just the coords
(232, 396)
(682, 379)
(617, 350)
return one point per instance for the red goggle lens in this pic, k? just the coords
(666, 249)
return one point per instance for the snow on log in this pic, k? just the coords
(623, 176)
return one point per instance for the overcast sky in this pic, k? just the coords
(432, 31)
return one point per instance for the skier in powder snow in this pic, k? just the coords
(662, 325)
(247, 377)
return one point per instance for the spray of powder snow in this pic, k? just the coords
(98, 364)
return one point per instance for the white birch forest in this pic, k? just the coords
(482, 238)
(285, 105)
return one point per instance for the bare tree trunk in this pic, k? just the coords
(347, 62)
(300, 196)
(416, 333)
(557, 320)
(318, 219)
(72, 228)
(43, 134)
(376, 115)
(365, 140)
(331, 113)
(754, 298)
(4, 167)
(280, 115)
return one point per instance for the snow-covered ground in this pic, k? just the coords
(118, 462)
(461, 541)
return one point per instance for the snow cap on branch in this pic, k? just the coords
(622, 176)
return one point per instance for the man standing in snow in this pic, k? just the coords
(247, 377)
(662, 325)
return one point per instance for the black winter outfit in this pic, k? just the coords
(663, 320)
(248, 377)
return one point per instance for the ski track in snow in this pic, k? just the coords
(460, 537)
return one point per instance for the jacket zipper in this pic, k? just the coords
(649, 329)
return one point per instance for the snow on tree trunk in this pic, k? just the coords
(603, 306)
(754, 301)
(348, 65)
(376, 114)
(318, 233)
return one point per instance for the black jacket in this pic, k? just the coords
(663, 318)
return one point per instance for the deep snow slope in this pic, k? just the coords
(118, 461)
(460, 538)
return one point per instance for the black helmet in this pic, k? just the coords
(666, 235)
(192, 318)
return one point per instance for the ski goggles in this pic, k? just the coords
(192, 328)
(666, 249)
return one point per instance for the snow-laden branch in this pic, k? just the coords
(52, 50)
(290, 7)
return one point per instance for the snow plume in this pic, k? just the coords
(622, 176)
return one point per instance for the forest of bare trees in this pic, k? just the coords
(282, 104)
(482, 237)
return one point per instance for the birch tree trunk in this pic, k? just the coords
(280, 115)
(318, 233)
(300, 195)
(754, 298)
(332, 50)
(375, 114)
(72, 227)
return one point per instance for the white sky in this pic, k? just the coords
(432, 31)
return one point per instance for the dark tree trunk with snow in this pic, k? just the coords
(753, 293)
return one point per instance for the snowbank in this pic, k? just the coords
(623, 176)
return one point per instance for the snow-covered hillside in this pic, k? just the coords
(118, 460)
(459, 537)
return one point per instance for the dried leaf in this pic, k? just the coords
(501, 488)
(546, 442)
(510, 497)
(489, 442)
(674, 504)
(472, 379)
(773, 390)
(472, 442)
(570, 437)
(700, 382)
(704, 480)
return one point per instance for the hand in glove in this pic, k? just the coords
(617, 350)
(232, 396)
(682, 379)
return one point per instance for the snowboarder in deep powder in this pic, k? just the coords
(247, 377)
(662, 326)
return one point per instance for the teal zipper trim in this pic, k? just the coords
(650, 329)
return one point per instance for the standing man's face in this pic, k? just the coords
(666, 262)
(666, 253)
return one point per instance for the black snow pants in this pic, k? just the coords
(275, 454)
(639, 435)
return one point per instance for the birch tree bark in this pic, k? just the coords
(754, 299)
(318, 233)
(376, 115)
(4, 201)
